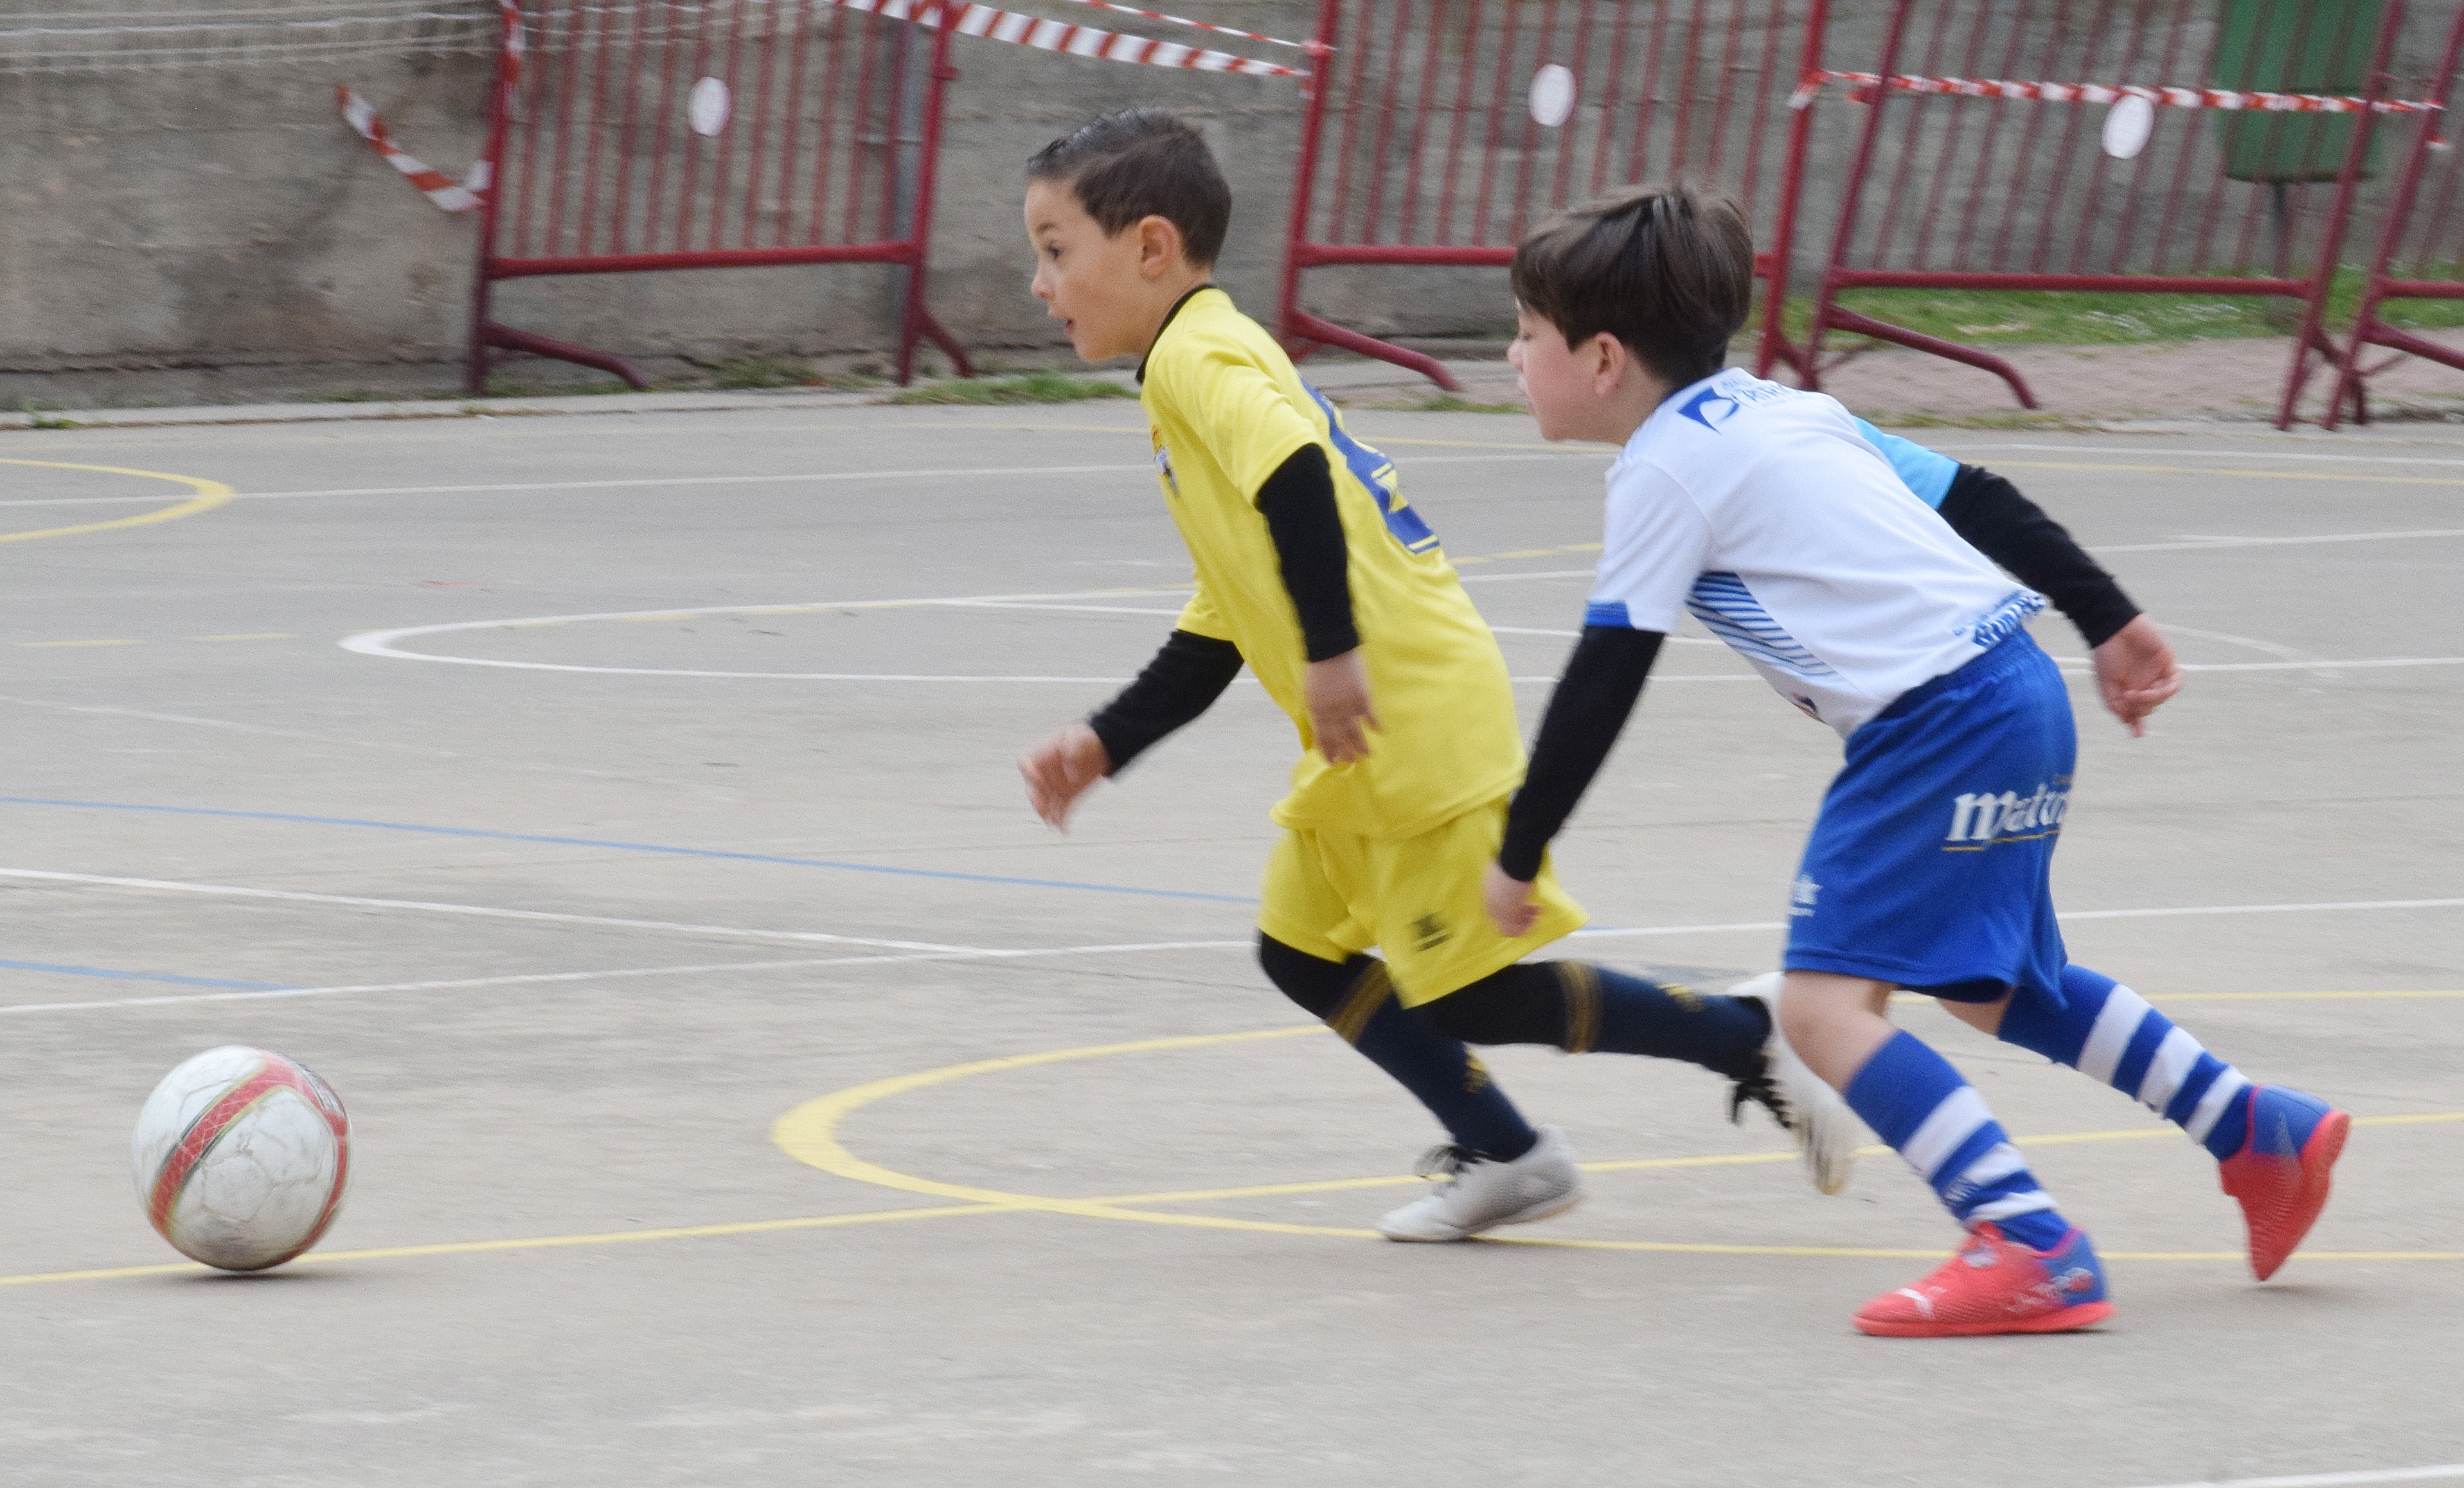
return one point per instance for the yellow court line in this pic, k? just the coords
(209, 494)
(989, 1202)
(54, 645)
(809, 1133)
(1660, 1164)
(531, 1243)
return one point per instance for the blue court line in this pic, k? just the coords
(140, 977)
(617, 846)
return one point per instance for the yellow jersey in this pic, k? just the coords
(1227, 408)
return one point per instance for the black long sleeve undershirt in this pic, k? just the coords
(1602, 682)
(1183, 681)
(1298, 503)
(1191, 671)
(1991, 514)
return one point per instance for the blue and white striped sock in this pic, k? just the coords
(2108, 1031)
(1917, 1103)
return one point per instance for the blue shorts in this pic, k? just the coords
(1930, 865)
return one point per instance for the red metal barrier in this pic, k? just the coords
(2420, 251)
(1420, 143)
(1993, 189)
(644, 135)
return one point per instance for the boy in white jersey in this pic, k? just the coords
(1772, 517)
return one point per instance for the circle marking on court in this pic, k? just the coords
(809, 1134)
(209, 494)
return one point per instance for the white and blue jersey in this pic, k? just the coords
(1804, 538)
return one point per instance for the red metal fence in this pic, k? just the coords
(1427, 137)
(2420, 252)
(709, 134)
(1991, 186)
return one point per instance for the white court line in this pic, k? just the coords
(348, 901)
(383, 642)
(655, 482)
(976, 953)
(2170, 912)
(2390, 1474)
(2142, 452)
(624, 484)
(534, 978)
(2199, 544)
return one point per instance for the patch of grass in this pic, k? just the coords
(2052, 318)
(364, 395)
(1448, 402)
(1023, 387)
(2065, 422)
(766, 369)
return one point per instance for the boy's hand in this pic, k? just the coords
(1510, 902)
(2136, 671)
(1059, 771)
(1340, 716)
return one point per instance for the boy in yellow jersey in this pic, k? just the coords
(1312, 569)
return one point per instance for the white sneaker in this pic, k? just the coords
(1481, 1193)
(1825, 1129)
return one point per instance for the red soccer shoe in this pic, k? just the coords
(1996, 1285)
(2282, 1172)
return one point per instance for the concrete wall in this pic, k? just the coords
(223, 217)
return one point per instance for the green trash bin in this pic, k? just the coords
(2293, 46)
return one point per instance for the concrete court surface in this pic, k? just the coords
(555, 904)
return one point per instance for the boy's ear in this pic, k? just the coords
(1607, 359)
(1160, 248)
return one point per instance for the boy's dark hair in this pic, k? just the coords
(1143, 162)
(1669, 271)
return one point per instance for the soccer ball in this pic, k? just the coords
(241, 1158)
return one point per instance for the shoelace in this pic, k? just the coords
(1761, 1090)
(1446, 1160)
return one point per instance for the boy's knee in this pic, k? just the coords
(1815, 1001)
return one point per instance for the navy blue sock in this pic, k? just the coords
(1611, 1011)
(1449, 1079)
(2107, 1031)
(1917, 1104)
(1355, 998)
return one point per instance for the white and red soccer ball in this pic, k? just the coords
(241, 1158)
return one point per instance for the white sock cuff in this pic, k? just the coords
(2110, 1039)
(2211, 1106)
(2175, 1058)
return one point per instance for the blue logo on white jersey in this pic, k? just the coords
(1710, 407)
(1717, 405)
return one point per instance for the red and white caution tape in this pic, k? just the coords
(1221, 30)
(1814, 84)
(964, 19)
(448, 194)
(1049, 36)
(435, 184)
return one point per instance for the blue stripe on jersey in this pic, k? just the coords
(1729, 610)
(1925, 472)
(1612, 613)
(1376, 473)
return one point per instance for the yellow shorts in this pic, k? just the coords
(1334, 894)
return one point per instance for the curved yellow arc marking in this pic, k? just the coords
(809, 1134)
(209, 494)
